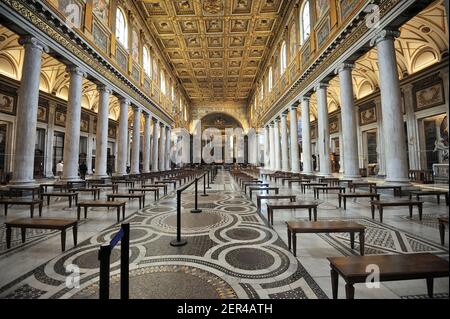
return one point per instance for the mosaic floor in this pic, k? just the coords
(231, 252)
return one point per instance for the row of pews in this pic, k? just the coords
(353, 269)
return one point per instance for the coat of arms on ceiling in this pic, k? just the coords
(213, 6)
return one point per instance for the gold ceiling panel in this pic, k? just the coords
(215, 46)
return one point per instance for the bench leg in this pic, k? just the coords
(361, 243)
(289, 239)
(349, 291)
(430, 287)
(23, 232)
(70, 202)
(6, 210)
(294, 244)
(442, 233)
(85, 212)
(438, 199)
(410, 211)
(380, 210)
(340, 201)
(118, 214)
(32, 210)
(334, 283)
(315, 214)
(372, 211)
(309, 213)
(75, 234)
(352, 240)
(63, 240)
(8, 237)
(123, 212)
(345, 203)
(78, 212)
(420, 212)
(40, 209)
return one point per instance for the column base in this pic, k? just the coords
(325, 174)
(23, 182)
(120, 174)
(95, 176)
(399, 182)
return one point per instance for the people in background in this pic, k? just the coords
(59, 169)
(83, 170)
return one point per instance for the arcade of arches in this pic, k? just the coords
(343, 108)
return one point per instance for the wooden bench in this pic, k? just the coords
(163, 186)
(332, 181)
(102, 203)
(296, 180)
(174, 183)
(255, 185)
(396, 189)
(353, 270)
(353, 185)
(304, 186)
(42, 223)
(303, 227)
(70, 196)
(442, 222)
(436, 193)
(266, 189)
(22, 202)
(325, 189)
(77, 184)
(127, 183)
(381, 204)
(35, 190)
(95, 192)
(292, 198)
(310, 205)
(114, 187)
(345, 181)
(344, 197)
(140, 197)
(144, 190)
(45, 186)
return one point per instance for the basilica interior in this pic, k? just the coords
(180, 143)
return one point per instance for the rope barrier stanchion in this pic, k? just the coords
(209, 178)
(204, 185)
(179, 242)
(196, 210)
(104, 256)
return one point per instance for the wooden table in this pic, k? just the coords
(329, 180)
(45, 186)
(266, 189)
(296, 180)
(70, 196)
(442, 222)
(42, 223)
(292, 198)
(95, 192)
(353, 185)
(114, 187)
(22, 202)
(128, 183)
(102, 203)
(163, 186)
(35, 190)
(343, 181)
(310, 205)
(353, 269)
(141, 197)
(356, 195)
(303, 227)
(436, 193)
(80, 184)
(381, 204)
(396, 189)
(304, 186)
(324, 189)
(144, 190)
(255, 185)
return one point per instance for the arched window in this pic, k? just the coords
(121, 28)
(163, 83)
(270, 79)
(146, 63)
(283, 58)
(305, 22)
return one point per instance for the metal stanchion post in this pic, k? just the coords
(196, 210)
(178, 242)
(125, 263)
(104, 257)
(204, 186)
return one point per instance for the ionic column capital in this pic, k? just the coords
(75, 70)
(385, 34)
(136, 108)
(146, 115)
(284, 114)
(102, 88)
(305, 99)
(320, 86)
(29, 40)
(276, 120)
(124, 102)
(294, 106)
(344, 67)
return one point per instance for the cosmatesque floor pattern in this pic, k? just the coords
(231, 251)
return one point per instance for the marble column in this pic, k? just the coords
(267, 147)
(295, 159)
(324, 130)
(155, 147)
(26, 113)
(90, 145)
(306, 136)
(135, 146)
(284, 143)
(412, 128)
(277, 142)
(50, 137)
(257, 159)
(101, 146)
(122, 138)
(162, 147)
(348, 122)
(168, 147)
(272, 147)
(73, 120)
(391, 105)
(146, 153)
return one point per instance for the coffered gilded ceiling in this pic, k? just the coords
(215, 46)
